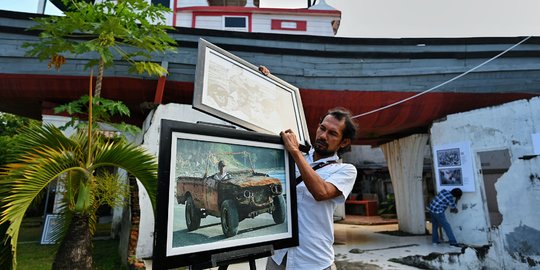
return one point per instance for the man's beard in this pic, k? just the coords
(323, 152)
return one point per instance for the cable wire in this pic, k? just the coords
(444, 83)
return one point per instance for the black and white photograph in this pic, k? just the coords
(449, 157)
(451, 177)
(222, 189)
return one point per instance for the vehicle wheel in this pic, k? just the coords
(193, 215)
(279, 209)
(229, 218)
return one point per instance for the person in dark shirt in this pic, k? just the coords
(437, 207)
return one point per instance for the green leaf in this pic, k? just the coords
(99, 33)
(148, 67)
(84, 199)
(43, 153)
(102, 28)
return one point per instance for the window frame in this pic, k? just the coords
(243, 29)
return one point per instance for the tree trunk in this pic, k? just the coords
(75, 251)
(99, 80)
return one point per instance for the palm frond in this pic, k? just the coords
(41, 155)
(35, 139)
(134, 159)
(111, 190)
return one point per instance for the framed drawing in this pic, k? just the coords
(221, 191)
(232, 89)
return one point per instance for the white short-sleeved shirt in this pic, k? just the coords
(315, 218)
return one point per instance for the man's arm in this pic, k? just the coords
(452, 202)
(450, 199)
(318, 187)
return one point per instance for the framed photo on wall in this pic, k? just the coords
(233, 89)
(221, 191)
(454, 167)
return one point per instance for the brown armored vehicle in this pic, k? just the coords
(232, 196)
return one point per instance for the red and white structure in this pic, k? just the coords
(319, 20)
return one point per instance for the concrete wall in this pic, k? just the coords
(515, 243)
(365, 156)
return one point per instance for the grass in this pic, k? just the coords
(31, 255)
(34, 256)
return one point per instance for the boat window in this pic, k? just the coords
(237, 23)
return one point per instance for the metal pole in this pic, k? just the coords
(41, 6)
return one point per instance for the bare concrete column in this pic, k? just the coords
(405, 159)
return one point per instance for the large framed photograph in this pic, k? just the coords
(221, 191)
(232, 89)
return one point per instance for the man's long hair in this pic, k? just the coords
(349, 132)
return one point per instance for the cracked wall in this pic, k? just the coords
(515, 243)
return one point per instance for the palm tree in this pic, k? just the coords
(44, 154)
(128, 30)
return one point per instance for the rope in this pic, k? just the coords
(444, 83)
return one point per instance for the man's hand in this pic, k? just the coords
(454, 210)
(290, 141)
(264, 70)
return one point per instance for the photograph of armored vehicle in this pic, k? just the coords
(231, 195)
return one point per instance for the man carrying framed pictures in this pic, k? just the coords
(323, 182)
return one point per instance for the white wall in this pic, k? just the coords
(316, 25)
(184, 19)
(209, 22)
(509, 126)
(58, 121)
(192, 3)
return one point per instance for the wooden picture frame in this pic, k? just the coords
(233, 89)
(202, 218)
